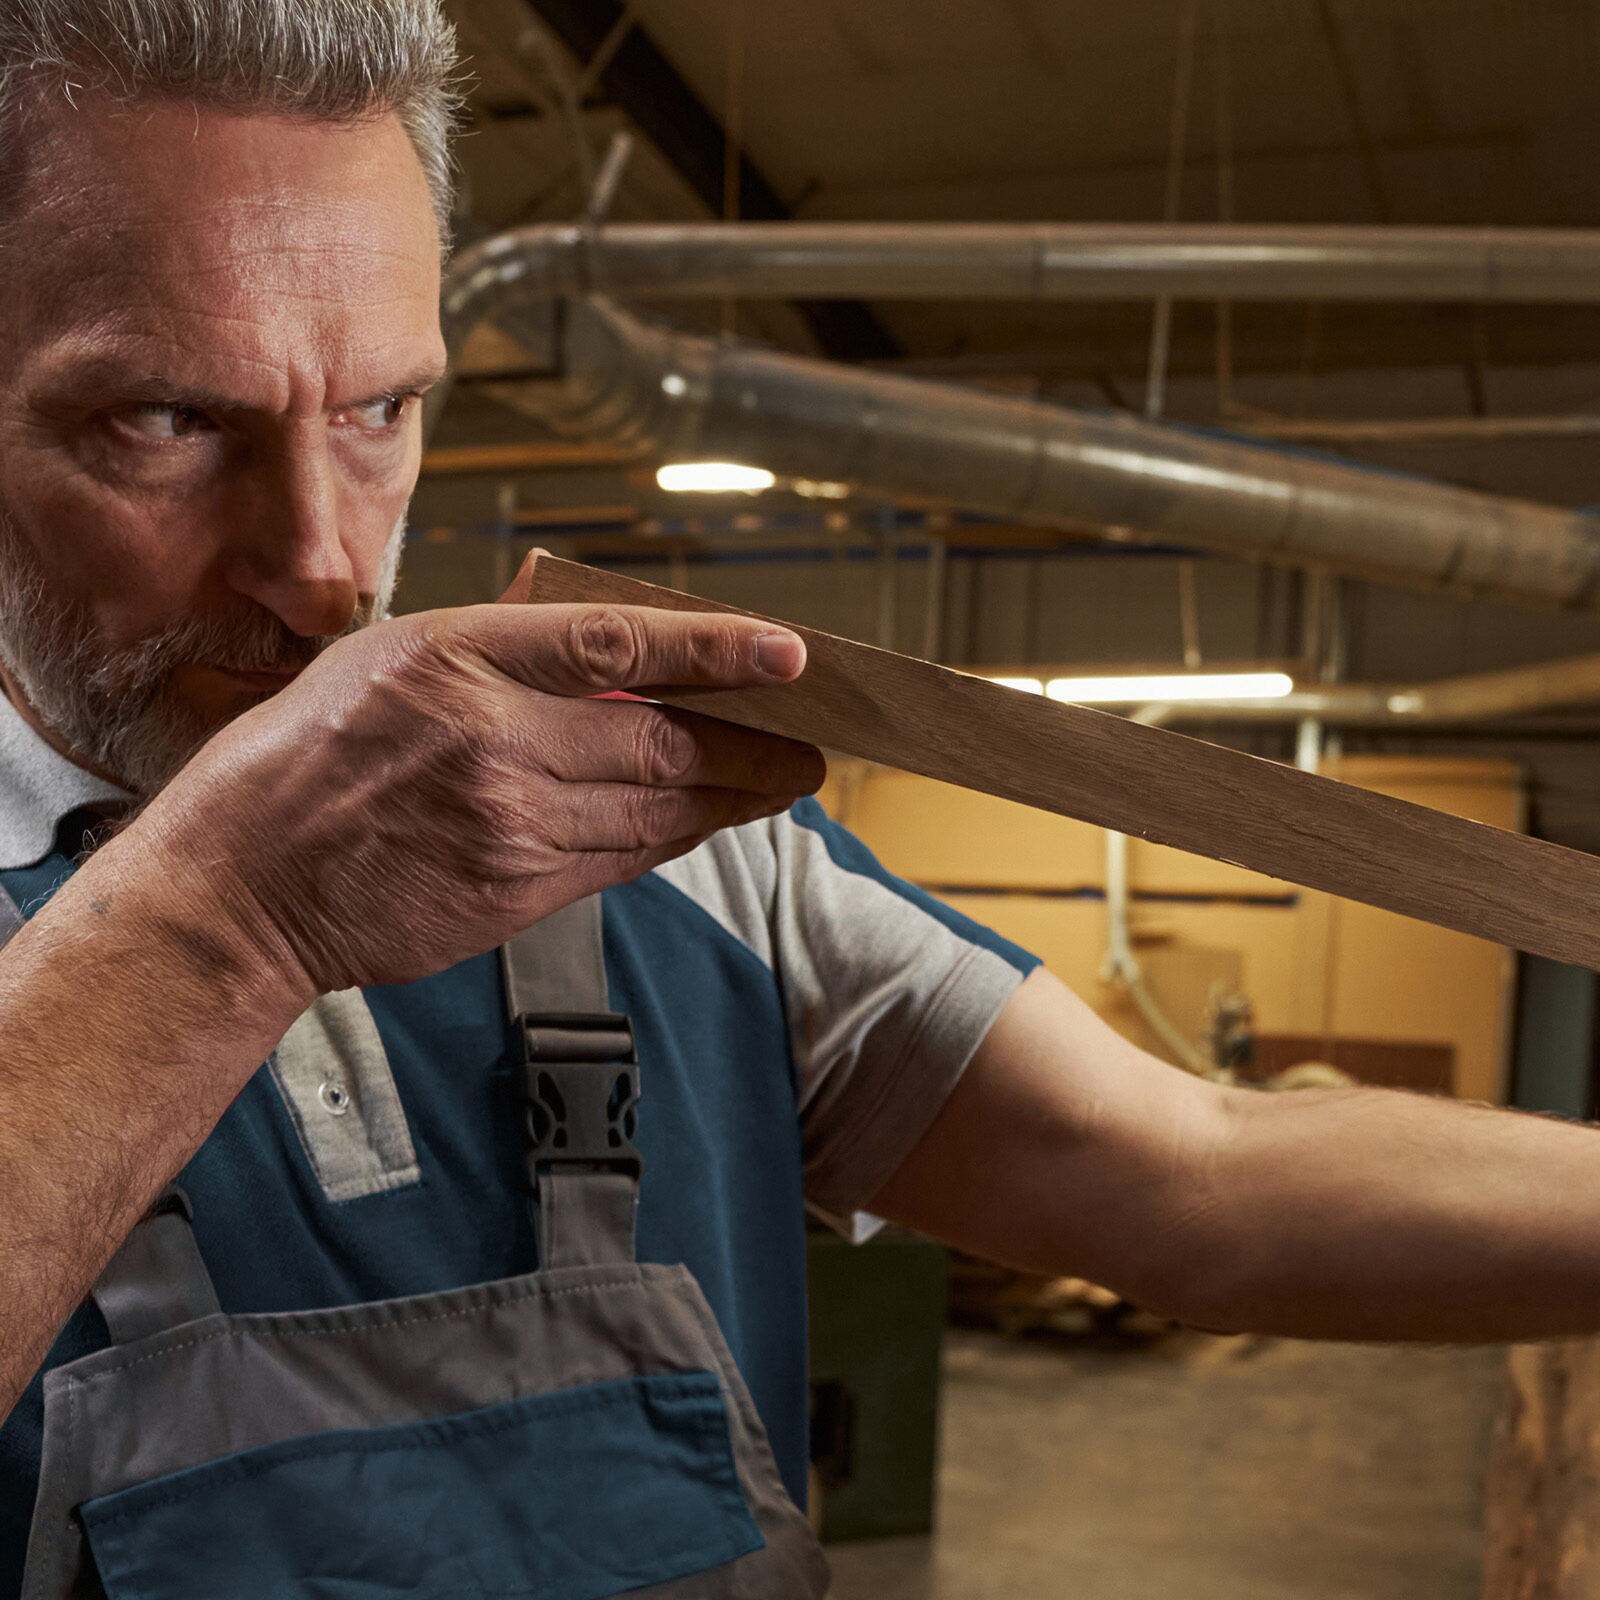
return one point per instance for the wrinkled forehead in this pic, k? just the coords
(162, 218)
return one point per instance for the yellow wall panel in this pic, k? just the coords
(1069, 936)
(1310, 963)
(1394, 978)
(1162, 870)
(1264, 936)
(936, 833)
(1486, 791)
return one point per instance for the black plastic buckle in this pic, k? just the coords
(580, 1092)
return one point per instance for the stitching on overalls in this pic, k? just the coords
(532, 1293)
(562, 1403)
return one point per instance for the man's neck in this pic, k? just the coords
(24, 709)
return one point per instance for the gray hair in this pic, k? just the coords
(342, 60)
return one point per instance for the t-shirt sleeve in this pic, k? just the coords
(888, 994)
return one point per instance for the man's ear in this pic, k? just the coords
(522, 584)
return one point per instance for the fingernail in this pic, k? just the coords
(780, 655)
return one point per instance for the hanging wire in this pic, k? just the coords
(1155, 389)
(1189, 616)
(1223, 74)
(555, 86)
(733, 136)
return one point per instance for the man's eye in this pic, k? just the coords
(377, 415)
(163, 421)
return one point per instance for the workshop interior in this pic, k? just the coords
(1229, 365)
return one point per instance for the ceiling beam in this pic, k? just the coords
(451, 460)
(640, 81)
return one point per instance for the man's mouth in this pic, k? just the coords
(262, 680)
(255, 682)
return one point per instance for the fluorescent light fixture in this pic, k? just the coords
(1027, 685)
(1165, 688)
(714, 477)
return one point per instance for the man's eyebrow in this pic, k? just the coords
(423, 379)
(156, 389)
(111, 380)
(120, 385)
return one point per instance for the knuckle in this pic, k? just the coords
(463, 743)
(655, 818)
(472, 759)
(432, 638)
(606, 645)
(666, 750)
(719, 649)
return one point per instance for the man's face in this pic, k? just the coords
(213, 332)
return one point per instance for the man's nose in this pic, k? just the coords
(289, 553)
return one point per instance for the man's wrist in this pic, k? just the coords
(195, 926)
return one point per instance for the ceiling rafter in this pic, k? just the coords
(643, 83)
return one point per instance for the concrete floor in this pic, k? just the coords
(1199, 1469)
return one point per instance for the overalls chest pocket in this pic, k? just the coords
(572, 1434)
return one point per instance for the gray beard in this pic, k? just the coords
(114, 705)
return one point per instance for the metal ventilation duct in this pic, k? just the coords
(1030, 261)
(681, 396)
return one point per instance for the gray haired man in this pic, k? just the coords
(347, 1355)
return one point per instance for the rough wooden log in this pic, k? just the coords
(1149, 782)
(1543, 1504)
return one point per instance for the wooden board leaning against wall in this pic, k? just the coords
(1310, 964)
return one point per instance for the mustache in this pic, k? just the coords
(113, 702)
(248, 640)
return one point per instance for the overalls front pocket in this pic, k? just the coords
(570, 1434)
(579, 1432)
(570, 1496)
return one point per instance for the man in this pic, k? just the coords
(221, 269)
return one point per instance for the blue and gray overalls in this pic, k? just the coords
(578, 1431)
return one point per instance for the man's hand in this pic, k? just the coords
(424, 790)
(433, 784)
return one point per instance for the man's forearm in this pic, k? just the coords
(1341, 1214)
(131, 1015)
(1371, 1214)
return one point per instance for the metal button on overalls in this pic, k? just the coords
(575, 1433)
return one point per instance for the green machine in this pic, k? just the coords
(877, 1330)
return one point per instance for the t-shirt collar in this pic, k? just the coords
(38, 787)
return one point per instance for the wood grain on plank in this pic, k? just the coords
(1149, 782)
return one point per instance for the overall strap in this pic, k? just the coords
(580, 1090)
(11, 918)
(156, 1280)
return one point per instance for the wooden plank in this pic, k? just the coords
(1149, 782)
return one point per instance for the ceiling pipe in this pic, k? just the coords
(1540, 687)
(1030, 261)
(681, 396)
(1473, 697)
